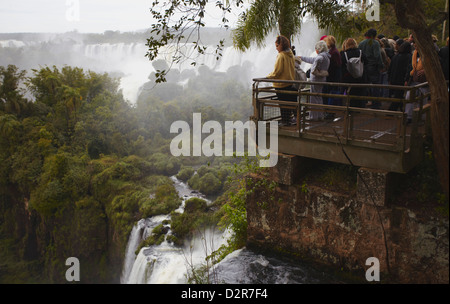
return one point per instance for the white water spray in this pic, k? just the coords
(128, 61)
(167, 263)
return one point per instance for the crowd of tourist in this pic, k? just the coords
(393, 61)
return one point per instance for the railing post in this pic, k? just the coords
(299, 99)
(412, 100)
(347, 124)
(256, 105)
(417, 116)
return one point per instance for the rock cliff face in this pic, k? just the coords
(341, 231)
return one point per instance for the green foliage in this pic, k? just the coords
(197, 215)
(12, 100)
(171, 27)
(234, 212)
(356, 23)
(163, 201)
(285, 18)
(208, 184)
(211, 179)
(195, 204)
(85, 168)
(156, 238)
(338, 176)
(164, 164)
(426, 184)
(185, 173)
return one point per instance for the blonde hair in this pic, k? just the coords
(331, 41)
(350, 43)
(343, 45)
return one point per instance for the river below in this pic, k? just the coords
(170, 264)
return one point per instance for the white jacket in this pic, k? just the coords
(320, 65)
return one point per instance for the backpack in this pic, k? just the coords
(355, 65)
(299, 75)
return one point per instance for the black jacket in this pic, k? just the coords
(399, 69)
(390, 52)
(443, 56)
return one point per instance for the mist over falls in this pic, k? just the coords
(124, 57)
(79, 152)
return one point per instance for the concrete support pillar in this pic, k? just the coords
(373, 186)
(289, 169)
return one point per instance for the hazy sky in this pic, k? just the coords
(82, 15)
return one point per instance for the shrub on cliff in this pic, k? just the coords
(196, 216)
(185, 173)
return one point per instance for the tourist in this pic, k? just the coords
(386, 45)
(386, 62)
(334, 74)
(392, 45)
(284, 70)
(416, 77)
(350, 50)
(398, 73)
(319, 73)
(435, 40)
(411, 40)
(374, 63)
(398, 43)
(443, 56)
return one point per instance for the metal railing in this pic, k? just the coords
(354, 125)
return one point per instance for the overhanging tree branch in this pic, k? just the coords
(437, 22)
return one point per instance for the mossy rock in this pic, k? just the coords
(195, 204)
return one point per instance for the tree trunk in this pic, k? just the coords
(285, 24)
(410, 15)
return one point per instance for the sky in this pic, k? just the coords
(85, 16)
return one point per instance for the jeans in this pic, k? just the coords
(286, 113)
(373, 77)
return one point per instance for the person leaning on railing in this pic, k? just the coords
(319, 73)
(284, 70)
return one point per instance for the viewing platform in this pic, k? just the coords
(370, 138)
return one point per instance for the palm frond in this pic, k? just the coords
(255, 24)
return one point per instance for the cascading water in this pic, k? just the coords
(140, 232)
(244, 266)
(167, 263)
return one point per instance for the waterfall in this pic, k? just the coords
(167, 263)
(140, 232)
(128, 62)
(133, 242)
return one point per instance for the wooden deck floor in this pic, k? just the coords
(365, 128)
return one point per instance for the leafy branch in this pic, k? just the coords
(177, 24)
